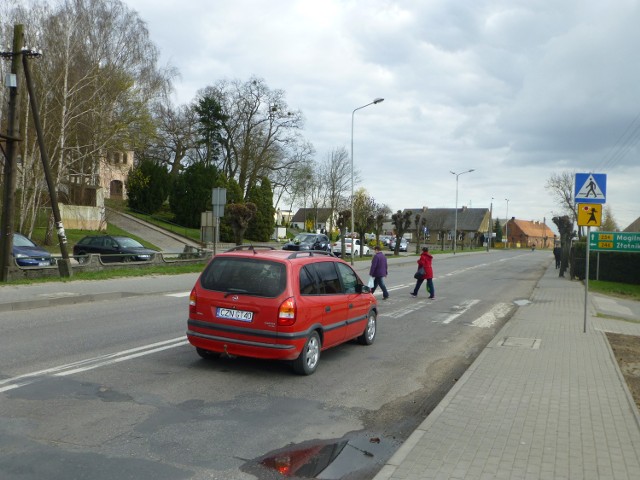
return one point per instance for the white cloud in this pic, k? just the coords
(516, 89)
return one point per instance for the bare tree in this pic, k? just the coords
(561, 187)
(173, 144)
(336, 179)
(258, 129)
(94, 82)
(284, 179)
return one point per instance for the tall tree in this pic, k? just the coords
(262, 225)
(258, 129)
(210, 127)
(191, 193)
(94, 83)
(148, 186)
(335, 176)
(497, 229)
(284, 179)
(173, 142)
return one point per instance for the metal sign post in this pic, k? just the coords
(586, 283)
(591, 192)
(218, 201)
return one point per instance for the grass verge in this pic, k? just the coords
(614, 289)
(129, 271)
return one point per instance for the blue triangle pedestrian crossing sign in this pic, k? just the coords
(590, 188)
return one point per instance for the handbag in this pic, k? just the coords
(419, 274)
(371, 282)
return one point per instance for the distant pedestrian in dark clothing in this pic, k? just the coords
(425, 261)
(557, 253)
(378, 271)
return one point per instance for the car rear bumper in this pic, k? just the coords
(254, 345)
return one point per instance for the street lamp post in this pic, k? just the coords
(455, 226)
(490, 229)
(506, 227)
(353, 240)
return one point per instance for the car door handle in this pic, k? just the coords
(327, 308)
(351, 305)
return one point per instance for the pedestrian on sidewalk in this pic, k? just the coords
(557, 253)
(378, 271)
(425, 261)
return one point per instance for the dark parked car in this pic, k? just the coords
(112, 249)
(272, 304)
(309, 241)
(28, 254)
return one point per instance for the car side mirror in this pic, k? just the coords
(361, 288)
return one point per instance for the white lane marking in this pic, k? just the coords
(463, 308)
(178, 295)
(404, 311)
(498, 312)
(90, 363)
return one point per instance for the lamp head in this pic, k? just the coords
(378, 100)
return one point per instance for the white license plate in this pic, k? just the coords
(232, 314)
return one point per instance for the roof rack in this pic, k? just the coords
(250, 247)
(310, 253)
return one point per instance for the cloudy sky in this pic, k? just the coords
(516, 90)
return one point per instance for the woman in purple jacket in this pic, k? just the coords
(378, 271)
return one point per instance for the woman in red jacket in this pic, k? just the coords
(425, 261)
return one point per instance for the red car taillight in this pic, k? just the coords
(193, 299)
(287, 312)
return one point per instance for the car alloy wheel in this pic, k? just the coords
(369, 334)
(308, 360)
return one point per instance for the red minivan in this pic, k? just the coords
(281, 305)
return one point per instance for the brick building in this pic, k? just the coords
(526, 233)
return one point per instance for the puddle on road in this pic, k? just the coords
(326, 459)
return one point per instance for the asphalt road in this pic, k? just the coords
(111, 389)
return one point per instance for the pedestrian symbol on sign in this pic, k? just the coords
(590, 188)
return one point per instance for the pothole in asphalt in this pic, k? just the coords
(326, 459)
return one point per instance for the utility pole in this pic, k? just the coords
(10, 170)
(64, 265)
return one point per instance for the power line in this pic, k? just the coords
(625, 142)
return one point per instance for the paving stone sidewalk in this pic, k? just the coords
(544, 400)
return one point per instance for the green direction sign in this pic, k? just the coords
(615, 241)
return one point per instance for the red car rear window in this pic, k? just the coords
(250, 276)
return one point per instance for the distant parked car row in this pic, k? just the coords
(110, 248)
